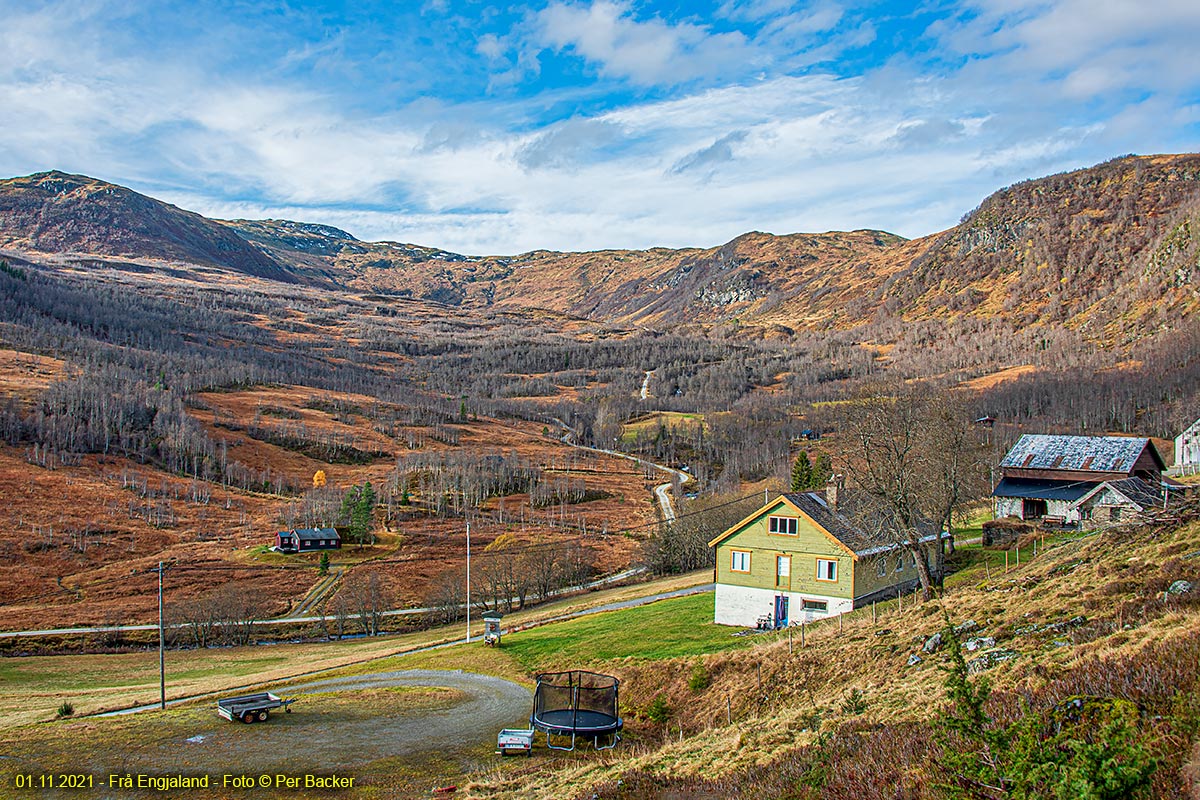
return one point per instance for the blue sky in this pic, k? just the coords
(584, 124)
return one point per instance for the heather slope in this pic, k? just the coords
(57, 213)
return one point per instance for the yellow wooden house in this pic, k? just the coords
(801, 557)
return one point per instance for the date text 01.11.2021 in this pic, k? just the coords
(53, 781)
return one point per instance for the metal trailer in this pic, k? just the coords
(252, 707)
(515, 740)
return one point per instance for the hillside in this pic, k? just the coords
(1093, 671)
(860, 709)
(1111, 251)
(57, 213)
(1107, 252)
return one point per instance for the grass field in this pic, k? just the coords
(667, 629)
(670, 419)
(33, 687)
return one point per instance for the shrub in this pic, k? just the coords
(66, 709)
(658, 710)
(1083, 747)
(699, 680)
(854, 703)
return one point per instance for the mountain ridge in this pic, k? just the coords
(1110, 251)
(57, 212)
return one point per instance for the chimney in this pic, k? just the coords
(836, 485)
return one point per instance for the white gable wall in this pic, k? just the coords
(1187, 446)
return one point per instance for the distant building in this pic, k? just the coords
(1187, 447)
(1069, 479)
(803, 557)
(302, 540)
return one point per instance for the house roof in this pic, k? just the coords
(1135, 490)
(1041, 489)
(1078, 453)
(838, 525)
(309, 534)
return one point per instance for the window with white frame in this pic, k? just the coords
(782, 525)
(783, 569)
(826, 570)
(739, 561)
(899, 562)
(816, 605)
(881, 566)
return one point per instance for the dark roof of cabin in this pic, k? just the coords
(1037, 489)
(1076, 453)
(309, 534)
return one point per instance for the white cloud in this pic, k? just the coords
(905, 147)
(650, 52)
(1092, 48)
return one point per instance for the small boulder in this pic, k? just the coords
(1179, 587)
(914, 659)
(979, 643)
(970, 626)
(933, 643)
(989, 659)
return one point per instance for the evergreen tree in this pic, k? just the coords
(802, 473)
(323, 564)
(822, 471)
(358, 506)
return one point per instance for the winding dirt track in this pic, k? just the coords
(494, 704)
(321, 740)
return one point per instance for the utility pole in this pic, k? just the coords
(162, 669)
(162, 664)
(468, 583)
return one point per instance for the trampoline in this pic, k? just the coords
(577, 704)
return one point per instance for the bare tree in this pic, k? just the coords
(912, 461)
(446, 597)
(368, 598)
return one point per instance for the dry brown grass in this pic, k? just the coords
(26, 375)
(72, 553)
(984, 382)
(778, 700)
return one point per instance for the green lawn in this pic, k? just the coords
(680, 626)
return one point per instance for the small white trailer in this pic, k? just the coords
(515, 740)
